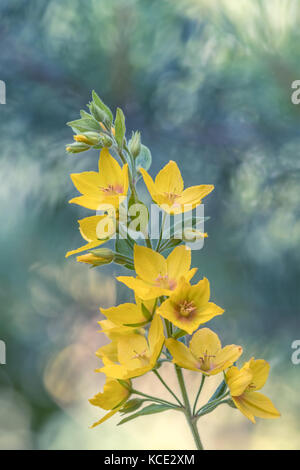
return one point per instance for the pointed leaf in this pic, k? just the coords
(148, 410)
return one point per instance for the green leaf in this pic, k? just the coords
(219, 391)
(144, 159)
(179, 333)
(120, 128)
(146, 312)
(84, 114)
(148, 410)
(97, 100)
(137, 325)
(124, 247)
(84, 125)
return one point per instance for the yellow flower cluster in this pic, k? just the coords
(168, 306)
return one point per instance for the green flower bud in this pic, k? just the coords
(132, 405)
(98, 113)
(90, 138)
(97, 257)
(135, 144)
(77, 147)
(106, 141)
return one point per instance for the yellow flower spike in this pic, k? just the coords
(108, 186)
(243, 385)
(88, 231)
(205, 353)
(157, 276)
(189, 306)
(136, 354)
(112, 398)
(168, 190)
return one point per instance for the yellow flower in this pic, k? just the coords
(129, 314)
(113, 398)
(88, 230)
(108, 186)
(205, 353)
(243, 385)
(189, 306)
(157, 276)
(167, 190)
(136, 354)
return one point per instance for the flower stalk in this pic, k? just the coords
(165, 323)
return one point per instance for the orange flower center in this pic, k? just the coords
(113, 189)
(186, 309)
(165, 283)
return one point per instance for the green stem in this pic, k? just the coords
(198, 394)
(158, 400)
(167, 387)
(190, 419)
(161, 231)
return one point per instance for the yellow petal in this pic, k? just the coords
(88, 227)
(113, 331)
(200, 292)
(260, 405)
(109, 351)
(124, 314)
(106, 417)
(130, 346)
(87, 182)
(260, 370)
(205, 342)
(88, 202)
(239, 403)
(226, 357)
(182, 356)
(208, 312)
(139, 286)
(190, 274)
(194, 195)
(110, 171)
(113, 394)
(114, 370)
(179, 262)
(88, 246)
(149, 183)
(238, 380)
(169, 179)
(148, 263)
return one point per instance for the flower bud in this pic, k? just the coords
(98, 113)
(77, 147)
(132, 405)
(90, 138)
(105, 141)
(135, 144)
(97, 257)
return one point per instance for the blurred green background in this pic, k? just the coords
(209, 85)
